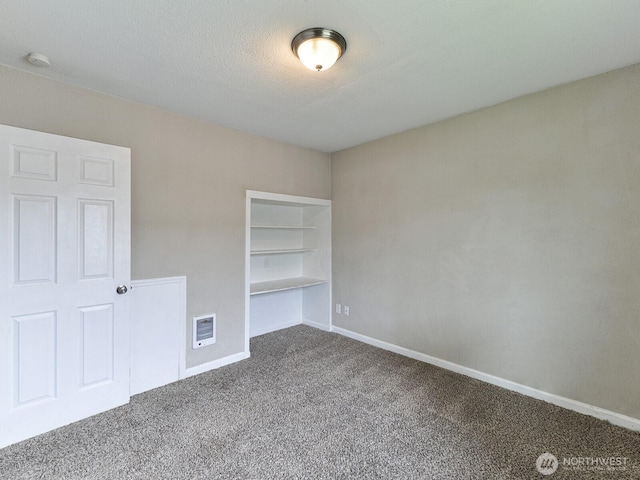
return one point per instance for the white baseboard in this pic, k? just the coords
(319, 326)
(580, 407)
(221, 362)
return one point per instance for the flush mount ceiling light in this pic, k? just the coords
(318, 48)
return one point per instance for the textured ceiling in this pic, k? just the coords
(408, 62)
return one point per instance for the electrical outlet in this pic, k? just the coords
(346, 310)
(266, 262)
(338, 308)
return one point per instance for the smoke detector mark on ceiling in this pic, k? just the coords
(38, 60)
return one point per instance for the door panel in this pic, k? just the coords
(96, 326)
(64, 249)
(36, 355)
(96, 239)
(96, 171)
(34, 239)
(34, 163)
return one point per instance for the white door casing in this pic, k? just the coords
(64, 249)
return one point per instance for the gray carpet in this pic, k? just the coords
(310, 404)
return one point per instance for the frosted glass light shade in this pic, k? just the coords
(318, 53)
(318, 48)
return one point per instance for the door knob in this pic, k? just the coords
(121, 289)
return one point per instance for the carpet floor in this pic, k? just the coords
(315, 405)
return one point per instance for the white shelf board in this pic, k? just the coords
(284, 284)
(282, 200)
(282, 250)
(284, 227)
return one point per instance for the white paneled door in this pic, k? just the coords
(64, 251)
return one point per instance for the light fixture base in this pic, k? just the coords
(319, 33)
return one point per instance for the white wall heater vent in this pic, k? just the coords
(204, 330)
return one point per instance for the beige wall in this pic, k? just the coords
(506, 240)
(188, 188)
